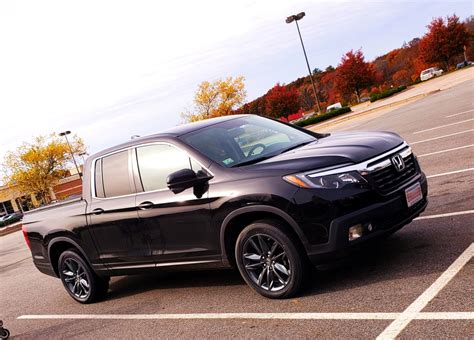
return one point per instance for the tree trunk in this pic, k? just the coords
(357, 95)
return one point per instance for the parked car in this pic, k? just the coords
(262, 195)
(463, 64)
(430, 73)
(334, 106)
(10, 218)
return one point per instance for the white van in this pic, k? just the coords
(334, 106)
(430, 73)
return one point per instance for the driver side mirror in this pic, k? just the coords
(183, 179)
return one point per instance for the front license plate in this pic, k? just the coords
(413, 194)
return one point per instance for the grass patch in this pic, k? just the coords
(324, 116)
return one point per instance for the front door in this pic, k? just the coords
(180, 222)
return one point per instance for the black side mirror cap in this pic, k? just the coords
(183, 179)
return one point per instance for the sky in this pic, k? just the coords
(107, 70)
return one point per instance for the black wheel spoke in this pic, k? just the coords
(274, 247)
(276, 257)
(70, 266)
(260, 277)
(283, 282)
(263, 244)
(269, 278)
(257, 248)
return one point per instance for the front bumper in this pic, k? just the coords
(385, 218)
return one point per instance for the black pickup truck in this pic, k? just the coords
(243, 191)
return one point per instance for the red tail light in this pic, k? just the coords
(25, 235)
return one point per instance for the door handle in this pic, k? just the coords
(97, 211)
(145, 205)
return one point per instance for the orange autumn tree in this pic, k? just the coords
(34, 168)
(217, 98)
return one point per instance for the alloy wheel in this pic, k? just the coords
(76, 278)
(266, 262)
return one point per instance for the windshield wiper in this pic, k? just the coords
(252, 161)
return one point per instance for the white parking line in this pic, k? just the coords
(450, 173)
(445, 316)
(447, 150)
(439, 137)
(288, 316)
(417, 306)
(465, 212)
(442, 126)
(460, 113)
(260, 316)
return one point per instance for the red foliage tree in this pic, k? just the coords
(281, 101)
(328, 85)
(354, 74)
(444, 41)
(401, 77)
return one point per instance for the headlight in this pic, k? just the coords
(335, 181)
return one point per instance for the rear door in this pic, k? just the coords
(123, 243)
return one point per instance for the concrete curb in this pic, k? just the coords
(372, 110)
(10, 229)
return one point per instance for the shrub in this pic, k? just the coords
(387, 93)
(323, 116)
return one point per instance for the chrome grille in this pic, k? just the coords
(387, 178)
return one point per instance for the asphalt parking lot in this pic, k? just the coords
(416, 284)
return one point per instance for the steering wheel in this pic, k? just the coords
(256, 146)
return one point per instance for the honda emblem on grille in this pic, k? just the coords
(398, 162)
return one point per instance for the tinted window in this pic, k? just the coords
(243, 140)
(156, 162)
(115, 175)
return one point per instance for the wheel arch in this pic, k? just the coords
(58, 245)
(238, 219)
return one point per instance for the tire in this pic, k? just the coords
(269, 260)
(5, 334)
(81, 283)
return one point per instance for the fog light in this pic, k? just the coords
(355, 232)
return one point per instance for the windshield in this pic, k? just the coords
(246, 140)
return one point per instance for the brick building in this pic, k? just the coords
(11, 200)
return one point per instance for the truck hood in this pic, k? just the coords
(338, 148)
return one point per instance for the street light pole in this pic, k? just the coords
(295, 18)
(65, 133)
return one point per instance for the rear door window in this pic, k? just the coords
(115, 175)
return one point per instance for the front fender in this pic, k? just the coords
(258, 208)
